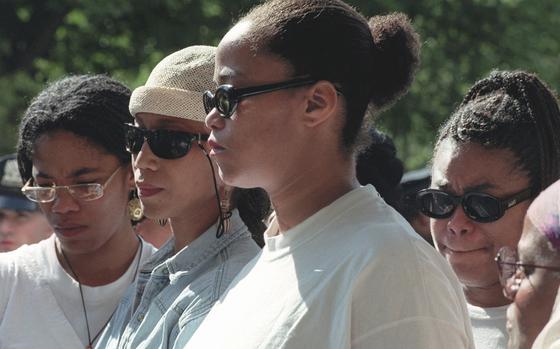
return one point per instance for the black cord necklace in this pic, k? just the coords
(92, 340)
(224, 216)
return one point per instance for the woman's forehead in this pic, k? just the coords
(236, 35)
(64, 154)
(468, 167)
(239, 61)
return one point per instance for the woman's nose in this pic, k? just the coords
(214, 120)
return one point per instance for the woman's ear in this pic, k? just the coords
(130, 177)
(322, 101)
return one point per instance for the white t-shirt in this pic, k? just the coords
(40, 304)
(353, 275)
(489, 327)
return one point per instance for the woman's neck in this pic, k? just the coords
(189, 226)
(310, 191)
(104, 265)
(486, 297)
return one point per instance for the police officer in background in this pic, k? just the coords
(21, 221)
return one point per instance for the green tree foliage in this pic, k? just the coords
(463, 40)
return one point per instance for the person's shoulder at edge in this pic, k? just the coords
(21, 268)
(376, 220)
(25, 255)
(387, 233)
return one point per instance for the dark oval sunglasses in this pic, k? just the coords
(479, 207)
(166, 144)
(226, 97)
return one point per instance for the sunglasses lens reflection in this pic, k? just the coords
(170, 146)
(437, 204)
(479, 207)
(208, 101)
(482, 208)
(164, 144)
(223, 103)
(133, 139)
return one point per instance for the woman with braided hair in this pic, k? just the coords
(498, 150)
(61, 292)
(340, 268)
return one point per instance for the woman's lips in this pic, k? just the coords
(69, 230)
(145, 191)
(215, 147)
(459, 251)
(464, 252)
(6, 243)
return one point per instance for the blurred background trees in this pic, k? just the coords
(463, 40)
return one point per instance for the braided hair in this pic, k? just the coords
(91, 106)
(516, 111)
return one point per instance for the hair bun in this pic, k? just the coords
(396, 57)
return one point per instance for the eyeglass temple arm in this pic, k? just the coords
(520, 197)
(26, 185)
(518, 264)
(252, 91)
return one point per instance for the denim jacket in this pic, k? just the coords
(174, 293)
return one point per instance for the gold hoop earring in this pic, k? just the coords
(135, 211)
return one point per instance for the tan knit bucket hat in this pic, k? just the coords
(175, 86)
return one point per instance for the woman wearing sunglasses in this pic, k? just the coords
(340, 268)
(530, 274)
(61, 292)
(498, 150)
(211, 222)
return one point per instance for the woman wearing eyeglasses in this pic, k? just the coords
(497, 151)
(211, 222)
(61, 292)
(530, 273)
(340, 268)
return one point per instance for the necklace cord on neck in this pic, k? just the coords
(90, 340)
(222, 215)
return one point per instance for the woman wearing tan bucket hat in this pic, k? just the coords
(178, 185)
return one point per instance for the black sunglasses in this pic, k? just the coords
(479, 207)
(166, 144)
(226, 97)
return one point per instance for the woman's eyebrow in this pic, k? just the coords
(77, 173)
(226, 75)
(479, 187)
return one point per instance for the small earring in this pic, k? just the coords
(162, 221)
(135, 211)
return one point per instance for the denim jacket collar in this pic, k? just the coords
(164, 263)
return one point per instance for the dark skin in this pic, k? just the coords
(190, 205)
(310, 117)
(96, 236)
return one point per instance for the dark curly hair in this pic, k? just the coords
(254, 207)
(91, 106)
(371, 61)
(511, 110)
(379, 165)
